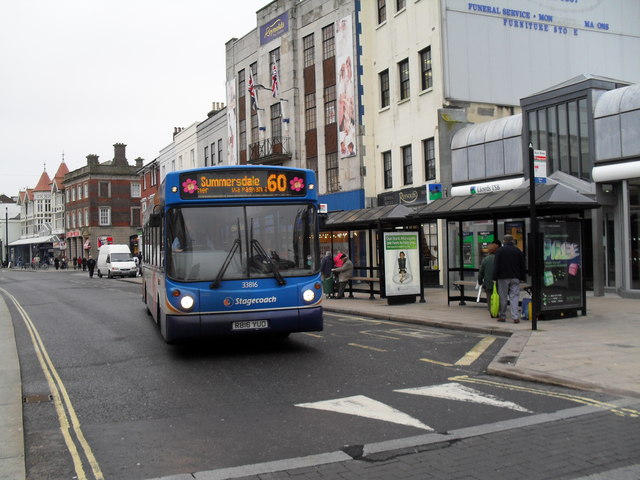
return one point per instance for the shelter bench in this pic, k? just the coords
(369, 280)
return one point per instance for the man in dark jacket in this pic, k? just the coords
(508, 271)
(326, 265)
(91, 264)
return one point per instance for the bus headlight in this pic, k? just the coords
(308, 295)
(187, 302)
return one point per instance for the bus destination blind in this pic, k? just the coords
(242, 183)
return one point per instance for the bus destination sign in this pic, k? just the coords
(228, 183)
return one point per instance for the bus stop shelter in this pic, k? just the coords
(553, 201)
(367, 255)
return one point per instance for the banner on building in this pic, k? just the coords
(231, 122)
(345, 88)
(274, 28)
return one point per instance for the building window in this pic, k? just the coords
(104, 189)
(312, 164)
(385, 96)
(400, 5)
(179, 162)
(135, 190)
(382, 11)
(387, 170)
(86, 217)
(86, 190)
(330, 105)
(328, 42)
(310, 111)
(79, 218)
(104, 217)
(333, 180)
(241, 84)
(429, 153)
(135, 216)
(206, 156)
(276, 122)
(220, 151)
(407, 165)
(242, 137)
(213, 153)
(308, 46)
(192, 155)
(403, 74)
(426, 78)
(79, 192)
(73, 195)
(562, 131)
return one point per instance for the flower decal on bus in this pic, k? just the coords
(297, 184)
(190, 186)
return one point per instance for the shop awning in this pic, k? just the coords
(35, 240)
(551, 199)
(368, 217)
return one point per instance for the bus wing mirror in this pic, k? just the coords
(155, 220)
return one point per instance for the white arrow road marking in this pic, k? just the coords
(455, 391)
(366, 407)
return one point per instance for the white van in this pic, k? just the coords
(116, 261)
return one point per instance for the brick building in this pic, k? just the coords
(102, 204)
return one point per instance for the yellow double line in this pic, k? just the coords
(69, 423)
(469, 357)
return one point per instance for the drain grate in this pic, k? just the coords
(37, 398)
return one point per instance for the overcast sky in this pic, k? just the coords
(77, 76)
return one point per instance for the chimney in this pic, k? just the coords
(92, 160)
(119, 156)
(139, 162)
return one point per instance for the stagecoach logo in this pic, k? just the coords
(247, 302)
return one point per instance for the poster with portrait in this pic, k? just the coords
(401, 263)
(231, 122)
(561, 265)
(345, 95)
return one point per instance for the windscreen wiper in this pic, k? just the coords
(262, 252)
(225, 265)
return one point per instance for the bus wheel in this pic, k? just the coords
(146, 304)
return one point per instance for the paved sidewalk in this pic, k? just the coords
(599, 351)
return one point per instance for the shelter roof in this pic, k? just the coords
(551, 199)
(368, 217)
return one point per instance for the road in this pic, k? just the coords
(144, 409)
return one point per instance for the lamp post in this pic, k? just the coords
(533, 246)
(6, 234)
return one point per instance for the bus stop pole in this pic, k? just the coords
(534, 261)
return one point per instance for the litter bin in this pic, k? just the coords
(526, 308)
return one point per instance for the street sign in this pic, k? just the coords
(540, 166)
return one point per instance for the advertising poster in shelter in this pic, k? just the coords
(562, 265)
(401, 263)
(484, 239)
(516, 230)
(467, 250)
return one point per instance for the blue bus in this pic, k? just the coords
(233, 250)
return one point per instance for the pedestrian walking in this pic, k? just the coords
(326, 265)
(79, 263)
(345, 272)
(56, 262)
(84, 264)
(508, 271)
(485, 275)
(91, 265)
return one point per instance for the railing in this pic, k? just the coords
(275, 149)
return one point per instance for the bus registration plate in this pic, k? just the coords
(250, 325)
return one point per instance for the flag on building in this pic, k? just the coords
(252, 93)
(275, 81)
